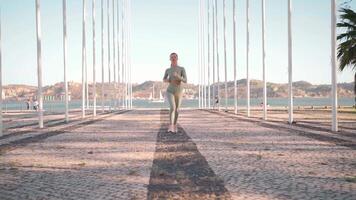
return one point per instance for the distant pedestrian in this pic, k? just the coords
(216, 101)
(35, 105)
(28, 104)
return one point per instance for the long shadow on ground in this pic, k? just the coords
(180, 171)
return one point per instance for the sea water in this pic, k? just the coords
(186, 103)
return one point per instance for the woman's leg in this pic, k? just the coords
(172, 107)
(178, 100)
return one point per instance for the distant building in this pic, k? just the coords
(3, 95)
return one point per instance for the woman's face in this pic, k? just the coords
(173, 57)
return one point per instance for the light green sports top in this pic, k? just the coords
(181, 76)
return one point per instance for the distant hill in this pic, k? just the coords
(143, 90)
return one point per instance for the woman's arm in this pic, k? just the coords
(183, 78)
(165, 77)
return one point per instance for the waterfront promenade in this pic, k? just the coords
(215, 155)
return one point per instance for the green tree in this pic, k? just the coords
(347, 38)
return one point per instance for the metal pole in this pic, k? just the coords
(264, 60)
(113, 39)
(203, 50)
(65, 59)
(102, 56)
(290, 63)
(123, 56)
(126, 57)
(109, 69)
(129, 51)
(199, 54)
(129, 48)
(83, 63)
(213, 97)
(125, 50)
(114, 50)
(1, 123)
(209, 93)
(94, 61)
(334, 66)
(247, 56)
(108, 18)
(86, 81)
(217, 52)
(225, 56)
(131, 95)
(118, 49)
(39, 64)
(235, 70)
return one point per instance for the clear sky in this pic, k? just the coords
(163, 26)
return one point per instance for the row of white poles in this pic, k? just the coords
(126, 60)
(124, 64)
(204, 69)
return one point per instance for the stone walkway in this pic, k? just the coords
(130, 156)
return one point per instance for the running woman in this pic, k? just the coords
(174, 75)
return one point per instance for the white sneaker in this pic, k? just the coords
(175, 129)
(170, 128)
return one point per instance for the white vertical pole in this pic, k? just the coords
(129, 50)
(204, 60)
(125, 50)
(109, 67)
(83, 63)
(334, 66)
(264, 59)
(113, 38)
(209, 93)
(86, 81)
(65, 58)
(225, 56)
(39, 64)
(123, 55)
(102, 56)
(217, 52)
(290, 64)
(114, 50)
(247, 56)
(94, 60)
(1, 124)
(108, 21)
(126, 57)
(235, 70)
(199, 54)
(130, 54)
(118, 48)
(213, 97)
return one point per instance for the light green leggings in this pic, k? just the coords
(174, 104)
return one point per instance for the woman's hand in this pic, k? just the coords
(176, 75)
(176, 82)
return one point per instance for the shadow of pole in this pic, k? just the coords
(179, 170)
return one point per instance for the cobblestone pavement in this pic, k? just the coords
(258, 162)
(110, 159)
(130, 156)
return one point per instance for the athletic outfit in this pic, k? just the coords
(175, 91)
